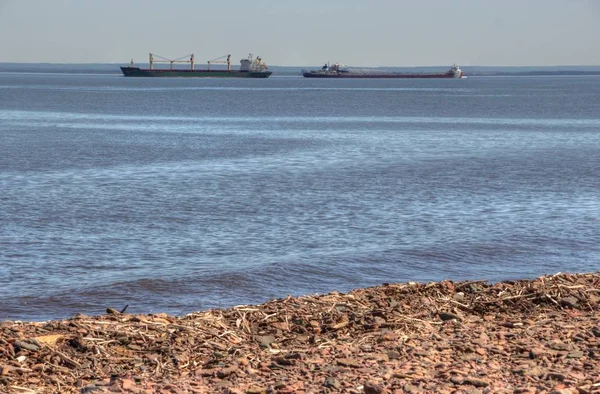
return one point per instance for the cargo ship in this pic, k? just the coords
(338, 71)
(249, 68)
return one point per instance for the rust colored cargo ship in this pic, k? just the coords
(249, 68)
(339, 71)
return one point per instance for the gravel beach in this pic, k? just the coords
(522, 336)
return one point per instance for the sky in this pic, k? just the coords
(305, 32)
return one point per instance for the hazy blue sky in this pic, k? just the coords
(305, 32)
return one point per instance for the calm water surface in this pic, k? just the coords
(178, 195)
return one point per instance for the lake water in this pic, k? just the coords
(179, 195)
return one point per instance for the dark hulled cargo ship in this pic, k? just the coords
(249, 68)
(339, 71)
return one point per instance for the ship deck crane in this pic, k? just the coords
(220, 60)
(154, 58)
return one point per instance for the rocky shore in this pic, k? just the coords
(526, 336)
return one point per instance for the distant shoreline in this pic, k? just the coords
(534, 73)
(483, 71)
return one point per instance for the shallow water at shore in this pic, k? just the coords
(180, 195)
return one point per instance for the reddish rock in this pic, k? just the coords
(373, 388)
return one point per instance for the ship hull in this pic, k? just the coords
(158, 73)
(374, 75)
